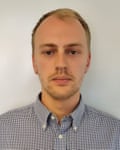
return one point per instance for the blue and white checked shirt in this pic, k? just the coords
(33, 127)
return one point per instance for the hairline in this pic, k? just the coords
(63, 14)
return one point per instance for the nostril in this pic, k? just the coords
(61, 70)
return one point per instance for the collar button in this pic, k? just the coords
(75, 128)
(44, 126)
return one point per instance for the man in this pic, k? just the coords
(59, 120)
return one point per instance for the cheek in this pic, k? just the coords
(41, 65)
(44, 68)
(79, 69)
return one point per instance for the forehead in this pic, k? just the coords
(53, 28)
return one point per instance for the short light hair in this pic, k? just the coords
(63, 13)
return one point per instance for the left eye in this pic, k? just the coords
(72, 52)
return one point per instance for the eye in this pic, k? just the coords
(48, 52)
(72, 52)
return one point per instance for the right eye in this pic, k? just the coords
(48, 52)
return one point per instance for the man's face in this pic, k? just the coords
(61, 57)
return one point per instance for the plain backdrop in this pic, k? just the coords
(19, 85)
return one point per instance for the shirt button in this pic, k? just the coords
(44, 126)
(75, 128)
(60, 136)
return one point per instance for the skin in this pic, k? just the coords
(61, 59)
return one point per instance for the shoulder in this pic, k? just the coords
(103, 118)
(17, 114)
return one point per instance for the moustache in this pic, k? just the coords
(61, 75)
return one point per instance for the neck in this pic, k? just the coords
(60, 108)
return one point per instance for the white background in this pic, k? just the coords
(19, 85)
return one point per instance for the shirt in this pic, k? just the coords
(34, 127)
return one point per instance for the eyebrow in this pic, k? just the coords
(73, 45)
(65, 46)
(48, 45)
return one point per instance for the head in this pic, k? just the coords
(61, 52)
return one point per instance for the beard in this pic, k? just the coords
(61, 92)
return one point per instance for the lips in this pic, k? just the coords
(61, 80)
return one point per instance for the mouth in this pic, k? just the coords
(62, 81)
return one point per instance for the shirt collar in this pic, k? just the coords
(77, 114)
(43, 113)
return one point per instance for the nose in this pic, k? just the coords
(61, 63)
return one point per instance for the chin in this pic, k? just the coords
(62, 95)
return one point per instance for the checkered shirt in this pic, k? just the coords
(34, 127)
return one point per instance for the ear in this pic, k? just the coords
(34, 64)
(88, 62)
